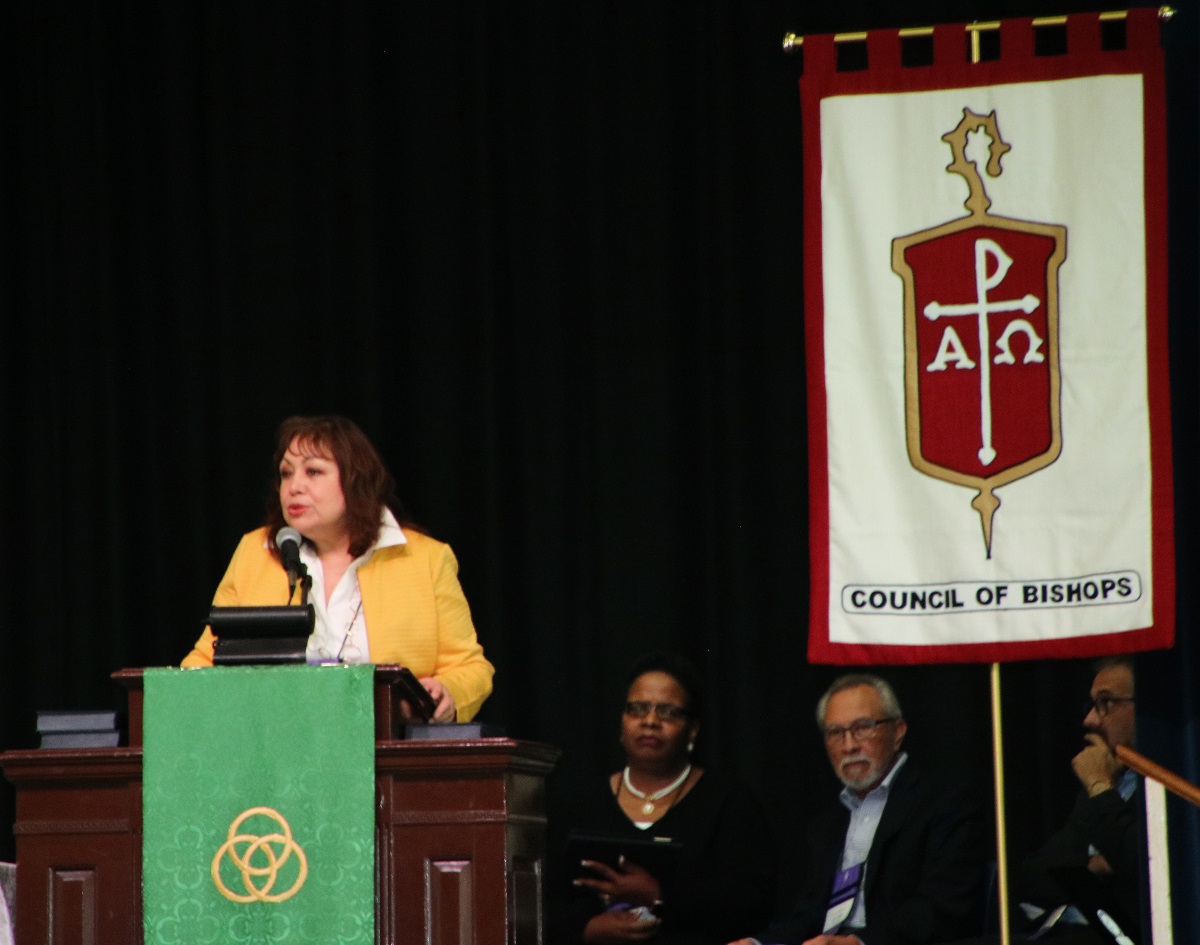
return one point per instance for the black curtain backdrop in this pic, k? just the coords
(549, 256)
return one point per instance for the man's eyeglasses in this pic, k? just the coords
(859, 729)
(1104, 704)
(664, 710)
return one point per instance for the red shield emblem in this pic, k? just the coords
(982, 375)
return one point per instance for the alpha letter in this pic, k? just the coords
(951, 349)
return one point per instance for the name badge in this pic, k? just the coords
(841, 901)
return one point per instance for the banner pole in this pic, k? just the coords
(793, 41)
(998, 774)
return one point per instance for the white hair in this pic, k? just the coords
(887, 695)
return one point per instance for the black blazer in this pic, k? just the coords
(925, 870)
(723, 886)
(1113, 827)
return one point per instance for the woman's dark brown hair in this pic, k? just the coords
(366, 484)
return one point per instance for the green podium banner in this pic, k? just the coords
(258, 805)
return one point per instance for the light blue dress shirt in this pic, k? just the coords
(865, 814)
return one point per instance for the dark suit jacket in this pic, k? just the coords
(1112, 826)
(925, 871)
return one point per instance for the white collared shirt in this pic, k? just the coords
(340, 632)
(865, 814)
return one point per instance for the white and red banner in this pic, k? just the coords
(985, 304)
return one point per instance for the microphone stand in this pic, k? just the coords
(304, 579)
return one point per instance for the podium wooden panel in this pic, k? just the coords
(459, 837)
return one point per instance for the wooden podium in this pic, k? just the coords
(459, 836)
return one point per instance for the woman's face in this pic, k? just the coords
(653, 741)
(310, 494)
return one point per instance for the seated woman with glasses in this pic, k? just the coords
(709, 874)
(382, 593)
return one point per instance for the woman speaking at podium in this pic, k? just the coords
(382, 593)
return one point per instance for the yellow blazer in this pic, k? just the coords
(414, 607)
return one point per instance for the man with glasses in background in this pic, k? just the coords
(900, 857)
(1095, 861)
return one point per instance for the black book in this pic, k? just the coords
(109, 739)
(453, 731)
(658, 855)
(76, 720)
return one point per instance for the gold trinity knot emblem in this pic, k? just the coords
(981, 366)
(260, 859)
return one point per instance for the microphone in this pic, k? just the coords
(287, 540)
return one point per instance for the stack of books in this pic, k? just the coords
(81, 728)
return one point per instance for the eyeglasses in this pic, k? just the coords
(665, 711)
(859, 729)
(1104, 704)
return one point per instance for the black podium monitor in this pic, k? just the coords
(258, 635)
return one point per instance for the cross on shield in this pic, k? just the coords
(981, 371)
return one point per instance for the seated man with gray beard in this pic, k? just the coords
(900, 858)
